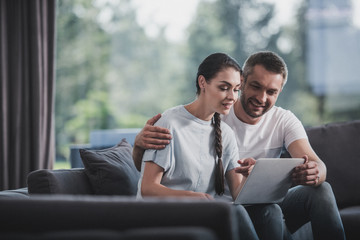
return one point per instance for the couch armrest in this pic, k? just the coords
(14, 193)
(338, 145)
(61, 181)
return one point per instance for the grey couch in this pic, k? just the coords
(74, 194)
(112, 217)
(99, 202)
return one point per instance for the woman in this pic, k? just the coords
(189, 166)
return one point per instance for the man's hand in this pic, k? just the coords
(307, 173)
(152, 137)
(247, 164)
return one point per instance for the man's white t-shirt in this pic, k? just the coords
(277, 128)
(189, 160)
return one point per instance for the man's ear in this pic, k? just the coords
(201, 81)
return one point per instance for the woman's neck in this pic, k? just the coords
(199, 110)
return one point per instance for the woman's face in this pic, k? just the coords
(222, 91)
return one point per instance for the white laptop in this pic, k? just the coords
(268, 182)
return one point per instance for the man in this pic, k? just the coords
(262, 129)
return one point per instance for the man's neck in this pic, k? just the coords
(243, 116)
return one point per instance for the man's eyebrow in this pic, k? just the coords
(256, 83)
(259, 84)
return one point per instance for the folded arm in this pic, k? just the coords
(151, 184)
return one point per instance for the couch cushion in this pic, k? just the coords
(60, 181)
(338, 145)
(351, 220)
(111, 171)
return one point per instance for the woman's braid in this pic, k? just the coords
(219, 170)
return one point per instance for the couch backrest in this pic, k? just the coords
(338, 145)
(46, 213)
(61, 181)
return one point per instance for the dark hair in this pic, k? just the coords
(209, 68)
(212, 65)
(270, 61)
(219, 170)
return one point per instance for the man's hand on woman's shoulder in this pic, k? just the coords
(152, 137)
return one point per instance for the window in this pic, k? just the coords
(119, 62)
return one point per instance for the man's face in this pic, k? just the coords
(260, 91)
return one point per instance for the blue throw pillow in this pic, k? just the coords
(111, 171)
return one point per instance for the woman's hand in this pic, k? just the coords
(246, 165)
(201, 195)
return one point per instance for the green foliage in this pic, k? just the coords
(236, 27)
(110, 74)
(93, 112)
(82, 61)
(297, 95)
(62, 165)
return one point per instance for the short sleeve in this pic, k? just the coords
(293, 129)
(161, 157)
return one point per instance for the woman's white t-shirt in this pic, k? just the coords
(189, 160)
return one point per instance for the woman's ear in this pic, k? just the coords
(201, 81)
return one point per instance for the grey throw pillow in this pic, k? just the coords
(111, 171)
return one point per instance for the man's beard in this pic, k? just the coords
(247, 109)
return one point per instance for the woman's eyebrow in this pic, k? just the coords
(229, 84)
